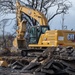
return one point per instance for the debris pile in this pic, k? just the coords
(54, 61)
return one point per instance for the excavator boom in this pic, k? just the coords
(37, 15)
(19, 41)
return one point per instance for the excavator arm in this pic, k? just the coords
(19, 41)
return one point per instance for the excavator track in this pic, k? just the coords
(34, 52)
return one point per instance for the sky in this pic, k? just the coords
(69, 19)
(55, 23)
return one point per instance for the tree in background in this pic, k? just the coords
(4, 36)
(6, 7)
(50, 8)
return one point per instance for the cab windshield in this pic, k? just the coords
(35, 33)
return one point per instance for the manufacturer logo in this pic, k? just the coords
(71, 37)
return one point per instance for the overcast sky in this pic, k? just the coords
(56, 22)
(69, 19)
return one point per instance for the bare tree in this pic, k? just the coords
(4, 33)
(6, 6)
(57, 6)
(45, 6)
(2, 29)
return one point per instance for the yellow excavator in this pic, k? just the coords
(40, 36)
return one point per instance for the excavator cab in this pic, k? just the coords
(35, 33)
